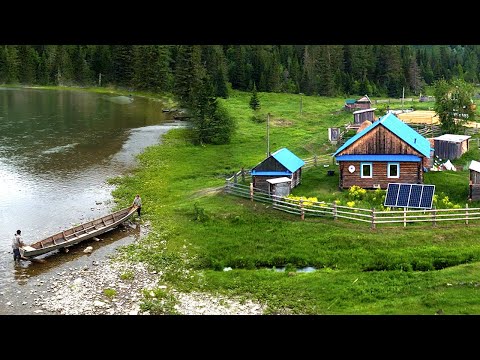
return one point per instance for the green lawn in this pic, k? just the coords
(197, 231)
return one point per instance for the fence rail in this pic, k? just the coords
(373, 217)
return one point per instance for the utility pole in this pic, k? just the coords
(99, 79)
(403, 96)
(268, 135)
(301, 103)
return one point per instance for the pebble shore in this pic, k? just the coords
(101, 289)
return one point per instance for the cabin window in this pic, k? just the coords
(393, 170)
(366, 170)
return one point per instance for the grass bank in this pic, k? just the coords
(199, 232)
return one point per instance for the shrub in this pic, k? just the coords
(110, 293)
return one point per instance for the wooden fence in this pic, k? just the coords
(304, 208)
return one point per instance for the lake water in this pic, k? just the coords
(57, 150)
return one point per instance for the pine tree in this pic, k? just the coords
(254, 101)
(183, 73)
(453, 101)
(122, 65)
(30, 61)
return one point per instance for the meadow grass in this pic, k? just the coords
(197, 231)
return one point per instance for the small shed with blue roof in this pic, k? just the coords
(280, 164)
(387, 151)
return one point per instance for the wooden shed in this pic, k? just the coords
(386, 151)
(360, 116)
(281, 163)
(450, 146)
(363, 103)
(474, 168)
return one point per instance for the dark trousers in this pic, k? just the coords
(138, 210)
(16, 254)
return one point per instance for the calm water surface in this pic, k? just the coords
(57, 149)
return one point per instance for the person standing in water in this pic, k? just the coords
(138, 201)
(17, 243)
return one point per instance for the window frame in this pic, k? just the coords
(361, 170)
(388, 170)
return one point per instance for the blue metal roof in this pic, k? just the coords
(382, 157)
(399, 128)
(350, 101)
(271, 173)
(288, 159)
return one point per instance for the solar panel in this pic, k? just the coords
(415, 196)
(409, 195)
(391, 197)
(403, 195)
(427, 197)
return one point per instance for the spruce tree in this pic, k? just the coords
(254, 101)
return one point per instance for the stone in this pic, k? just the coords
(98, 303)
(88, 250)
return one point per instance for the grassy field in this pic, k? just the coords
(198, 231)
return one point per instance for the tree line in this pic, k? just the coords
(326, 70)
(199, 74)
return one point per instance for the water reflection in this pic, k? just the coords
(57, 151)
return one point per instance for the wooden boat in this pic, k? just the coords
(78, 233)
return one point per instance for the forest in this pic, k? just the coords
(325, 70)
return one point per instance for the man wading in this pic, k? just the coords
(16, 244)
(138, 201)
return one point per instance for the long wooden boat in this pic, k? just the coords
(78, 233)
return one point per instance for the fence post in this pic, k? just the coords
(466, 214)
(235, 178)
(251, 191)
(227, 186)
(243, 175)
(302, 212)
(373, 218)
(315, 160)
(404, 217)
(434, 213)
(334, 211)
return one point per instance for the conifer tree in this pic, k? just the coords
(254, 101)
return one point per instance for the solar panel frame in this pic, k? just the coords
(406, 195)
(429, 188)
(403, 195)
(415, 196)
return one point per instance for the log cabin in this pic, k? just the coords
(281, 163)
(386, 151)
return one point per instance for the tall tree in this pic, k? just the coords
(183, 73)
(453, 103)
(123, 65)
(30, 61)
(254, 101)
(12, 64)
(216, 66)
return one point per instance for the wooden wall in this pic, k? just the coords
(363, 105)
(270, 164)
(450, 150)
(361, 117)
(475, 192)
(260, 182)
(474, 177)
(296, 178)
(380, 141)
(410, 172)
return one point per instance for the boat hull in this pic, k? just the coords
(78, 233)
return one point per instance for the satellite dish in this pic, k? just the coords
(351, 168)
